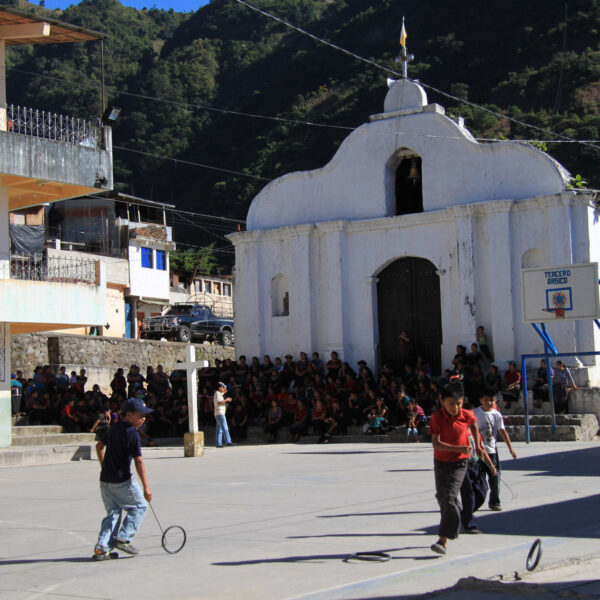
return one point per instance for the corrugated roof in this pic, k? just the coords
(59, 32)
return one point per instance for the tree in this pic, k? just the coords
(192, 262)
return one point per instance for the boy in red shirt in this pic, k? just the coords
(450, 427)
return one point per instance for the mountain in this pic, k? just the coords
(537, 62)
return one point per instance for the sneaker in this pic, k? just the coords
(126, 547)
(438, 548)
(495, 507)
(473, 530)
(103, 555)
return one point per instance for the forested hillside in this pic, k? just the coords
(165, 69)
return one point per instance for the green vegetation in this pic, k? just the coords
(513, 57)
(194, 262)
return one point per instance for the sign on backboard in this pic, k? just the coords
(569, 292)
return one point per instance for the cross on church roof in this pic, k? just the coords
(404, 58)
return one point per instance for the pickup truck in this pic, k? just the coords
(185, 322)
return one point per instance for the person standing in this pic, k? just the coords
(120, 491)
(560, 387)
(220, 405)
(491, 423)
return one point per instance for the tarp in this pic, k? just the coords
(27, 239)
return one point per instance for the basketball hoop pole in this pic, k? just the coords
(548, 347)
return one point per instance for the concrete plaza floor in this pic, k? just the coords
(278, 522)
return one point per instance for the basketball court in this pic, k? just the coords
(284, 521)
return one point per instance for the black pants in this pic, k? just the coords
(473, 491)
(448, 480)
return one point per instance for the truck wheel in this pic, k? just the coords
(183, 333)
(226, 338)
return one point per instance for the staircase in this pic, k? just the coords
(569, 428)
(45, 445)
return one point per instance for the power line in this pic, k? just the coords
(226, 111)
(193, 164)
(396, 74)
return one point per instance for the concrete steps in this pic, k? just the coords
(569, 428)
(45, 444)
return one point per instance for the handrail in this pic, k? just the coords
(52, 126)
(40, 267)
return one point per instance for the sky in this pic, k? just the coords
(177, 5)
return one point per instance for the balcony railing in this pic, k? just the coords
(51, 126)
(40, 267)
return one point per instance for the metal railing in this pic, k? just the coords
(51, 126)
(40, 267)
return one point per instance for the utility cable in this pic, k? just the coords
(193, 164)
(397, 74)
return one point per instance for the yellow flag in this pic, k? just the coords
(403, 36)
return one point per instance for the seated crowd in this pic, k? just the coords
(297, 396)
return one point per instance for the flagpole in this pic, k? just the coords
(403, 50)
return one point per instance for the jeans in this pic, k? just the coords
(117, 497)
(448, 480)
(222, 430)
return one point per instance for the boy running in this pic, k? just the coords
(490, 423)
(120, 491)
(450, 426)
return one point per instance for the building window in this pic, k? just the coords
(198, 286)
(147, 258)
(280, 297)
(226, 289)
(207, 287)
(216, 288)
(161, 264)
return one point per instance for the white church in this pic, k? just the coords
(413, 225)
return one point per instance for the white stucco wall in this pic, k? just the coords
(145, 282)
(332, 269)
(330, 232)
(358, 182)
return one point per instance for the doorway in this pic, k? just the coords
(408, 299)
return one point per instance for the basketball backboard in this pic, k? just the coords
(560, 293)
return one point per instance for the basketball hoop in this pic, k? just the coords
(559, 313)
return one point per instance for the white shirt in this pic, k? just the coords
(219, 402)
(489, 423)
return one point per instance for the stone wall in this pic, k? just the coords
(585, 400)
(101, 356)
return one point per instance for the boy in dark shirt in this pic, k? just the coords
(120, 491)
(450, 427)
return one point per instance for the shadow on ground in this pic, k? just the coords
(472, 588)
(326, 557)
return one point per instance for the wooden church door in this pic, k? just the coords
(408, 299)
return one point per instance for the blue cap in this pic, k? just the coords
(136, 405)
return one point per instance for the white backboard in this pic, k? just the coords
(572, 289)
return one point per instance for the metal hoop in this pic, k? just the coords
(536, 549)
(163, 543)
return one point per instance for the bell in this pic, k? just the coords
(413, 174)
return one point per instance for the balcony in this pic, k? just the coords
(45, 157)
(40, 292)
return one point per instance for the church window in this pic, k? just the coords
(280, 296)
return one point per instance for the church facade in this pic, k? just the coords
(412, 226)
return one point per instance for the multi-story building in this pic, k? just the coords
(45, 158)
(211, 290)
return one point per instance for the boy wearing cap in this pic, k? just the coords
(120, 491)
(220, 403)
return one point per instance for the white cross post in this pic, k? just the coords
(193, 442)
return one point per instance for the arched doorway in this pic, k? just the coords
(408, 299)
